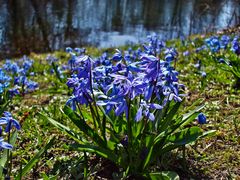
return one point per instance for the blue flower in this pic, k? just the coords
(235, 47)
(186, 53)
(14, 91)
(80, 51)
(27, 64)
(144, 110)
(5, 145)
(69, 50)
(71, 102)
(31, 86)
(202, 119)
(20, 80)
(3, 77)
(200, 48)
(224, 41)
(121, 107)
(104, 60)
(51, 59)
(73, 81)
(117, 56)
(154, 46)
(221, 60)
(198, 64)
(213, 43)
(9, 121)
(11, 67)
(170, 54)
(28, 85)
(203, 74)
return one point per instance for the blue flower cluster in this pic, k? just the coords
(236, 45)
(218, 46)
(75, 54)
(18, 73)
(4, 80)
(10, 122)
(216, 43)
(127, 77)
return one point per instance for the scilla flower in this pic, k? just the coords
(202, 119)
(4, 145)
(9, 121)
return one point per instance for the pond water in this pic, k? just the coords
(41, 26)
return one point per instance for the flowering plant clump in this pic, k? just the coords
(15, 80)
(224, 51)
(17, 74)
(134, 99)
(9, 122)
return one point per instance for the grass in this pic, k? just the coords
(217, 157)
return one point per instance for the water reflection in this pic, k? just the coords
(32, 25)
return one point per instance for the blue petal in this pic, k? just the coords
(151, 116)
(149, 92)
(119, 110)
(101, 103)
(16, 124)
(7, 114)
(155, 106)
(139, 114)
(71, 102)
(8, 127)
(4, 120)
(5, 145)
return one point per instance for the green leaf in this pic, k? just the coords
(148, 158)
(185, 119)
(138, 128)
(208, 133)
(3, 107)
(185, 136)
(83, 126)
(45, 177)
(57, 72)
(173, 111)
(34, 160)
(1, 171)
(106, 115)
(3, 158)
(168, 148)
(194, 104)
(164, 175)
(198, 109)
(169, 117)
(103, 152)
(61, 127)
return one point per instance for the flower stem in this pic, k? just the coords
(8, 155)
(129, 132)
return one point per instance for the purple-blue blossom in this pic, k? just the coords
(202, 119)
(4, 145)
(117, 56)
(224, 41)
(213, 43)
(235, 47)
(128, 76)
(9, 121)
